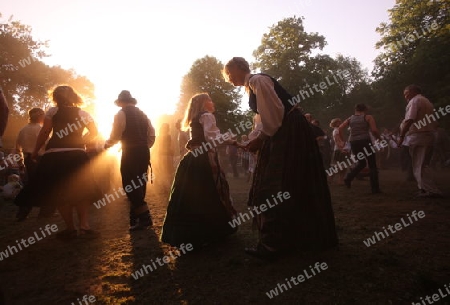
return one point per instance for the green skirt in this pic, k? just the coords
(199, 209)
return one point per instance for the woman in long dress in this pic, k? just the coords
(289, 163)
(200, 207)
(63, 179)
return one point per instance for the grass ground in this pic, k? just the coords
(407, 265)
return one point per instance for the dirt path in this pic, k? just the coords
(399, 269)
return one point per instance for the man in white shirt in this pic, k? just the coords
(27, 138)
(420, 139)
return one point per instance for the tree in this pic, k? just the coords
(285, 49)
(205, 76)
(415, 45)
(25, 79)
(320, 83)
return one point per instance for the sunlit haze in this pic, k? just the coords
(147, 46)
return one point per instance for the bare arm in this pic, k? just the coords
(92, 134)
(403, 130)
(343, 126)
(43, 136)
(18, 145)
(119, 125)
(373, 126)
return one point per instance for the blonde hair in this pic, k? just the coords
(236, 62)
(334, 121)
(196, 105)
(66, 96)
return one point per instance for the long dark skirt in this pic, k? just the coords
(199, 209)
(290, 161)
(61, 178)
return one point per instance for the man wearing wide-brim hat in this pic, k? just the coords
(135, 131)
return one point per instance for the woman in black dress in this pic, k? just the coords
(63, 179)
(289, 162)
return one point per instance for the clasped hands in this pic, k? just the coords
(253, 146)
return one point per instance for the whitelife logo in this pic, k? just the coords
(242, 128)
(297, 280)
(393, 229)
(37, 236)
(259, 209)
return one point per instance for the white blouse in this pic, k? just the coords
(270, 107)
(210, 129)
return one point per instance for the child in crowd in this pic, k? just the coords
(12, 188)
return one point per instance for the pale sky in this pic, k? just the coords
(147, 46)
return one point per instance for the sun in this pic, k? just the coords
(105, 109)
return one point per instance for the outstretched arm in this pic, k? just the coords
(117, 130)
(343, 126)
(373, 126)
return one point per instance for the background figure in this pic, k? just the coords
(63, 178)
(4, 112)
(166, 154)
(232, 152)
(12, 188)
(383, 154)
(360, 141)
(289, 163)
(135, 131)
(183, 138)
(324, 145)
(320, 136)
(405, 157)
(245, 155)
(441, 148)
(26, 141)
(200, 207)
(252, 157)
(339, 151)
(420, 140)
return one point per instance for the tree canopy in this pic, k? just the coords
(415, 44)
(323, 84)
(205, 76)
(25, 79)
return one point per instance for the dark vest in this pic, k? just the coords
(67, 129)
(197, 133)
(283, 95)
(136, 128)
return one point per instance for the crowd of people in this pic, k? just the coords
(416, 150)
(287, 152)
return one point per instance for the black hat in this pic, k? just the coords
(125, 97)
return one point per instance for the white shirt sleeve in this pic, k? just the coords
(20, 141)
(412, 109)
(270, 107)
(210, 129)
(257, 127)
(117, 129)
